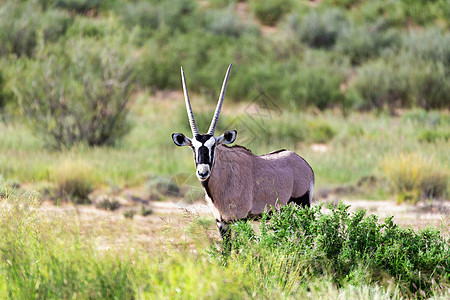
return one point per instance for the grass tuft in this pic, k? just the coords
(74, 180)
(414, 176)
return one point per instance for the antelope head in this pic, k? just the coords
(204, 145)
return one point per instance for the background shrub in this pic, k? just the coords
(77, 94)
(428, 44)
(414, 176)
(429, 85)
(320, 132)
(226, 22)
(367, 41)
(270, 12)
(78, 6)
(380, 84)
(55, 24)
(74, 180)
(18, 28)
(317, 86)
(321, 30)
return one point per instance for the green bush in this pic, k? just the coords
(317, 86)
(270, 12)
(78, 6)
(77, 93)
(424, 12)
(144, 14)
(173, 16)
(203, 55)
(351, 248)
(55, 24)
(363, 42)
(320, 132)
(391, 11)
(380, 84)
(227, 22)
(19, 24)
(430, 85)
(321, 29)
(428, 44)
(344, 3)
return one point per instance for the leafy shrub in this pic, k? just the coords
(414, 176)
(143, 14)
(391, 11)
(78, 6)
(429, 85)
(344, 3)
(173, 16)
(55, 24)
(18, 28)
(363, 42)
(423, 12)
(429, 44)
(77, 93)
(314, 86)
(203, 55)
(74, 180)
(348, 247)
(226, 22)
(321, 30)
(270, 12)
(320, 132)
(379, 84)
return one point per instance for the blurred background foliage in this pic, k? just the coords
(74, 70)
(331, 53)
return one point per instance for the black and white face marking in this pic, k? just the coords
(204, 146)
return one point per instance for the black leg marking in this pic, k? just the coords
(302, 200)
(224, 230)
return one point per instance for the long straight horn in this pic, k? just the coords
(188, 106)
(215, 119)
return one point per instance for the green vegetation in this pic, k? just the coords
(298, 253)
(295, 245)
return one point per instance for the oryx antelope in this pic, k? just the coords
(239, 184)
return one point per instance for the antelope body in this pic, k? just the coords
(239, 184)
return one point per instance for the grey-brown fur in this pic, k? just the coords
(242, 184)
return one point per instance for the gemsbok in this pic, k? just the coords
(238, 183)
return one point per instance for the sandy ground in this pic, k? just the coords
(177, 223)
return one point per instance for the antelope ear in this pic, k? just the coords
(180, 140)
(227, 138)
